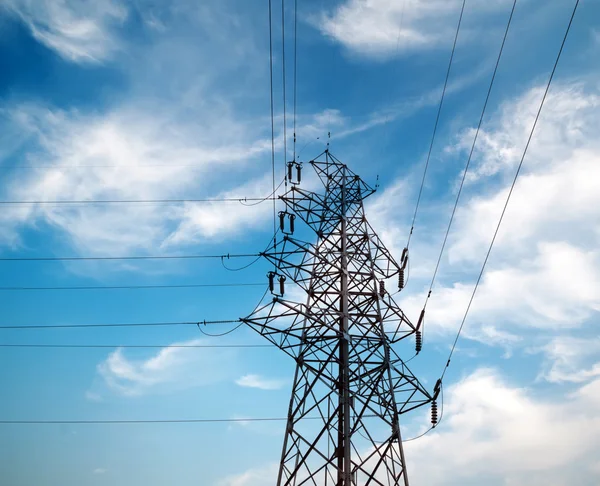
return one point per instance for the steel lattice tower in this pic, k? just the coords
(350, 386)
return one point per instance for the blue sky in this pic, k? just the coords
(170, 100)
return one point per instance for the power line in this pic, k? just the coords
(269, 197)
(159, 421)
(130, 287)
(141, 346)
(462, 182)
(130, 257)
(437, 119)
(156, 421)
(142, 201)
(272, 116)
(295, 68)
(102, 166)
(537, 116)
(119, 324)
(129, 324)
(284, 86)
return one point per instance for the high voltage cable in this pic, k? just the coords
(159, 421)
(284, 88)
(268, 198)
(120, 324)
(437, 119)
(141, 346)
(128, 287)
(295, 68)
(131, 257)
(564, 40)
(272, 116)
(143, 201)
(102, 166)
(388, 115)
(462, 182)
(128, 324)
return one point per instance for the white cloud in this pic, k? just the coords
(99, 470)
(570, 359)
(381, 28)
(506, 435)
(257, 381)
(502, 434)
(93, 396)
(544, 271)
(565, 128)
(169, 369)
(77, 30)
(198, 222)
(258, 476)
(126, 154)
(519, 295)
(138, 151)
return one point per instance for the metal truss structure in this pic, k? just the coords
(350, 386)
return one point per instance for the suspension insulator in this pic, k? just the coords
(434, 413)
(282, 220)
(298, 173)
(271, 277)
(418, 342)
(401, 279)
(290, 168)
(421, 318)
(381, 288)
(292, 218)
(281, 284)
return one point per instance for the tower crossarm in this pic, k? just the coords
(349, 379)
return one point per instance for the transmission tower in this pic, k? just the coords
(350, 386)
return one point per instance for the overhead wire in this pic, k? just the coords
(435, 126)
(272, 117)
(103, 166)
(241, 321)
(141, 346)
(466, 169)
(130, 257)
(258, 257)
(387, 118)
(156, 421)
(244, 267)
(132, 287)
(119, 324)
(268, 198)
(332, 66)
(295, 69)
(283, 71)
(564, 40)
(139, 201)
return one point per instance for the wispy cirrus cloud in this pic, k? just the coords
(82, 32)
(569, 359)
(168, 370)
(136, 153)
(544, 272)
(380, 28)
(260, 382)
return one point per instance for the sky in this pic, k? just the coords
(142, 100)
